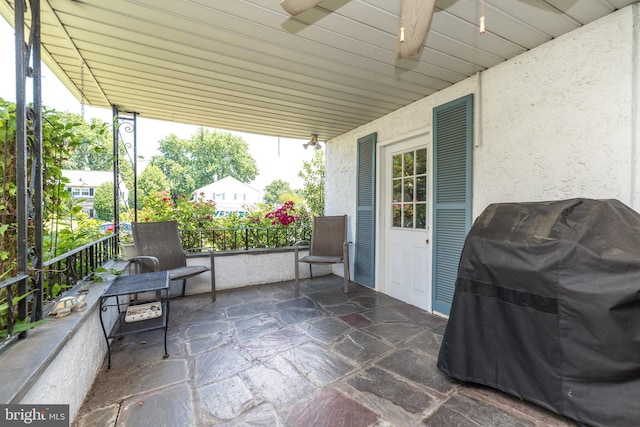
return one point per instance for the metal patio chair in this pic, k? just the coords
(158, 248)
(328, 245)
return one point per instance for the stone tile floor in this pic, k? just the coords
(268, 356)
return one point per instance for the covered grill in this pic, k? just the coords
(547, 308)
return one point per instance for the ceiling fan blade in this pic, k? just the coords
(414, 23)
(295, 7)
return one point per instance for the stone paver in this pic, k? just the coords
(266, 355)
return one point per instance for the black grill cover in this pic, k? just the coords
(547, 308)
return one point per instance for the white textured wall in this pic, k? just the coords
(559, 121)
(255, 268)
(70, 376)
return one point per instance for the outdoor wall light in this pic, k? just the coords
(313, 143)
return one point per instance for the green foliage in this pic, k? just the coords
(313, 190)
(21, 325)
(293, 196)
(59, 140)
(273, 191)
(152, 181)
(73, 229)
(193, 163)
(103, 201)
(190, 215)
(92, 149)
(93, 144)
(200, 215)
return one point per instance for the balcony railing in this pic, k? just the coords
(65, 271)
(61, 273)
(58, 275)
(245, 238)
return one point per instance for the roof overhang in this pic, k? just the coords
(247, 66)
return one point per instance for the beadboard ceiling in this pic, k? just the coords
(245, 65)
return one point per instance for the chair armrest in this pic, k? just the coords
(193, 252)
(199, 252)
(296, 244)
(154, 260)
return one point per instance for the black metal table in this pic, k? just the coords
(134, 284)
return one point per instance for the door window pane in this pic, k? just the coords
(397, 214)
(421, 189)
(421, 215)
(397, 166)
(407, 217)
(409, 192)
(421, 161)
(408, 163)
(397, 190)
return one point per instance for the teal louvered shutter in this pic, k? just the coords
(453, 151)
(364, 265)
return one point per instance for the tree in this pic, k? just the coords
(273, 191)
(103, 201)
(92, 148)
(152, 181)
(313, 189)
(189, 164)
(93, 144)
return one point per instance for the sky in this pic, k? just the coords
(277, 158)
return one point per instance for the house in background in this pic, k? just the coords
(83, 183)
(229, 195)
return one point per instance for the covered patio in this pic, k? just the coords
(264, 354)
(267, 355)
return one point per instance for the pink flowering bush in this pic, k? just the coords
(254, 230)
(285, 215)
(200, 214)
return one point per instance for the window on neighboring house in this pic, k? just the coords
(235, 196)
(75, 191)
(244, 197)
(218, 196)
(86, 192)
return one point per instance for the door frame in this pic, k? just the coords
(383, 192)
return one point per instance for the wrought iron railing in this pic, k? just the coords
(245, 238)
(61, 273)
(65, 271)
(58, 275)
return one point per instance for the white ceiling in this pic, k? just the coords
(245, 65)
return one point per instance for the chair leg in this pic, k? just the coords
(346, 276)
(184, 286)
(213, 284)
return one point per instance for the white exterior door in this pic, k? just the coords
(407, 253)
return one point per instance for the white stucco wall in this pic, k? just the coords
(251, 268)
(70, 375)
(559, 121)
